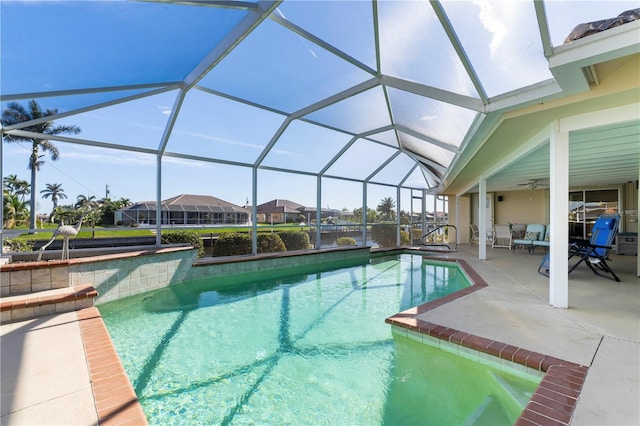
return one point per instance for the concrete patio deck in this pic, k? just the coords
(46, 364)
(600, 329)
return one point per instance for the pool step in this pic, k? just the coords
(490, 412)
(48, 302)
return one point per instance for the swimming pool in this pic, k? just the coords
(305, 349)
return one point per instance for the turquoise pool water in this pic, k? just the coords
(305, 350)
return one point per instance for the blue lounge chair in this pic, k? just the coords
(594, 252)
(544, 265)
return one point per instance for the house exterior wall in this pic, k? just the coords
(271, 217)
(144, 216)
(528, 206)
(629, 209)
(460, 211)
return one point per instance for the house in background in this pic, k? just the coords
(338, 215)
(185, 209)
(279, 211)
(283, 211)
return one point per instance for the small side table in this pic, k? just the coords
(627, 243)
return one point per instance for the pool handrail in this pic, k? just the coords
(425, 243)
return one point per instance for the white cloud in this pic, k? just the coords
(493, 24)
(110, 157)
(113, 119)
(96, 155)
(218, 139)
(164, 109)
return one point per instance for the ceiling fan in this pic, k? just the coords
(532, 184)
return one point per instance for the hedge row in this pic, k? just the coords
(233, 244)
(184, 236)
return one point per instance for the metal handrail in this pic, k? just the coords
(425, 243)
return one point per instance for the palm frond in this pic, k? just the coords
(66, 129)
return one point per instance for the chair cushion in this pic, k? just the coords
(531, 236)
(547, 237)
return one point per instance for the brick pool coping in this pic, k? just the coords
(46, 264)
(116, 401)
(556, 396)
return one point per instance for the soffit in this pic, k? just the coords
(619, 86)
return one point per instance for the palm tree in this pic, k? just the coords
(17, 187)
(386, 208)
(372, 216)
(14, 115)
(55, 191)
(123, 202)
(89, 204)
(86, 201)
(14, 211)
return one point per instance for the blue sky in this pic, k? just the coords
(88, 44)
(88, 170)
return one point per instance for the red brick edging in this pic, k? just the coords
(116, 401)
(71, 294)
(555, 399)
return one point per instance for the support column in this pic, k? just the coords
(398, 238)
(318, 244)
(158, 201)
(558, 197)
(364, 213)
(457, 221)
(254, 212)
(482, 218)
(1, 198)
(424, 214)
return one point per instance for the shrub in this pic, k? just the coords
(235, 244)
(232, 244)
(184, 236)
(269, 243)
(19, 245)
(295, 240)
(385, 235)
(345, 241)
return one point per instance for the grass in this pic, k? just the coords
(89, 234)
(119, 232)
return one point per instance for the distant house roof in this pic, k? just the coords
(327, 211)
(191, 203)
(280, 206)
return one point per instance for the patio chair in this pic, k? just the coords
(595, 252)
(474, 234)
(543, 243)
(518, 230)
(534, 232)
(502, 236)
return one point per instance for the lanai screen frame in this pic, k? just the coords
(433, 172)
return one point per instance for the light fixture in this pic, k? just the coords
(590, 74)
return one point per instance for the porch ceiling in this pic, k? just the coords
(606, 155)
(604, 147)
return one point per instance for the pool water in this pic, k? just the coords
(305, 349)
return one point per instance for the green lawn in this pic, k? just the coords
(115, 232)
